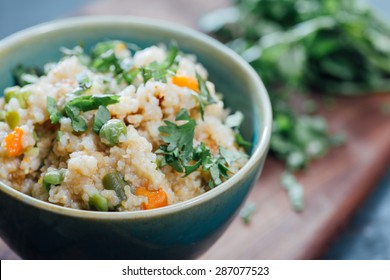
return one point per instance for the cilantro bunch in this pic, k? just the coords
(303, 46)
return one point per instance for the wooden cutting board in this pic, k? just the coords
(334, 186)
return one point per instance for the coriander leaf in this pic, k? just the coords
(179, 137)
(191, 168)
(92, 102)
(78, 123)
(204, 95)
(26, 75)
(51, 106)
(84, 84)
(171, 56)
(294, 190)
(101, 117)
(129, 76)
(234, 120)
(183, 115)
(103, 47)
(84, 81)
(230, 156)
(177, 149)
(159, 71)
(106, 62)
(76, 51)
(247, 211)
(241, 141)
(215, 175)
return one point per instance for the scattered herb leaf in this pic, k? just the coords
(54, 112)
(178, 151)
(159, 71)
(294, 190)
(26, 75)
(205, 97)
(77, 122)
(247, 211)
(101, 117)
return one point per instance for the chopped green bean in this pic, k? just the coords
(114, 181)
(50, 178)
(111, 131)
(98, 202)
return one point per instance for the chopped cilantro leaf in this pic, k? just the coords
(159, 71)
(294, 190)
(178, 151)
(76, 51)
(84, 84)
(247, 211)
(77, 122)
(234, 121)
(101, 117)
(204, 96)
(230, 156)
(26, 75)
(51, 106)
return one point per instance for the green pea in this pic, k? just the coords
(98, 202)
(53, 177)
(111, 131)
(114, 181)
(12, 118)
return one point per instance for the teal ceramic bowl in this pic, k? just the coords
(38, 230)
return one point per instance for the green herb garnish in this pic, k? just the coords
(234, 121)
(83, 104)
(104, 59)
(26, 75)
(84, 84)
(101, 117)
(247, 211)
(303, 46)
(159, 71)
(294, 190)
(52, 108)
(179, 140)
(78, 123)
(204, 95)
(178, 151)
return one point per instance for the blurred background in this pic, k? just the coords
(325, 189)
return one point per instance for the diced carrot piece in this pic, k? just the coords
(184, 81)
(156, 198)
(13, 142)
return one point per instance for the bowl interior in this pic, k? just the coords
(238, 83)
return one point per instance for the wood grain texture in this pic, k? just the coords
(334, 185)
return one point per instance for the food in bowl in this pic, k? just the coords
(117, 130)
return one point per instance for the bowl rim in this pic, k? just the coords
(85, 21)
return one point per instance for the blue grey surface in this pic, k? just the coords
(19, 14)
(368, 234)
